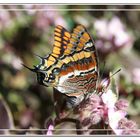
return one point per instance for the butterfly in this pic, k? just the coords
(72, 66)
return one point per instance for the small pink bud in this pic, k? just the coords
(50, 129)
(122, 104)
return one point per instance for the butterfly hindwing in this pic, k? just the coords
(81, 51)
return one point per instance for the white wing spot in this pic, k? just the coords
(89, 44)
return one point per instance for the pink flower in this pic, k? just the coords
(122, 104)
(50, 130)
(109, 98)
(126, 124)
(5, 19)
(16, 63)
(106, 108)
(117, 30)
(113, 117)
(128, 127)
(89, 110)
(48, 17)
(116, 115)
(131, 132)
(98, 108)
(26, 118)
(136, 75)
(112, 35)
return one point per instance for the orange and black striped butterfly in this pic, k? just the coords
(72, 67)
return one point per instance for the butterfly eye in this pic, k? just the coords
(40, 77)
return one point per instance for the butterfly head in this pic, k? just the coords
(45, 76)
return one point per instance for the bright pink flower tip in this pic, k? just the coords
(50, 130)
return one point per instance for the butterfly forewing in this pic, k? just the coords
(61, 40)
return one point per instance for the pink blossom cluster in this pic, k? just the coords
(112, 35)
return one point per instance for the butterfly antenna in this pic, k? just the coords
(29, 68)
(112, 75)
(38, 56)
(115, 73)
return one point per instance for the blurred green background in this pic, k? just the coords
(26, 30)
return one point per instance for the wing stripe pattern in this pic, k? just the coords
(82, 56)
(61, 39)
(73, 62)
